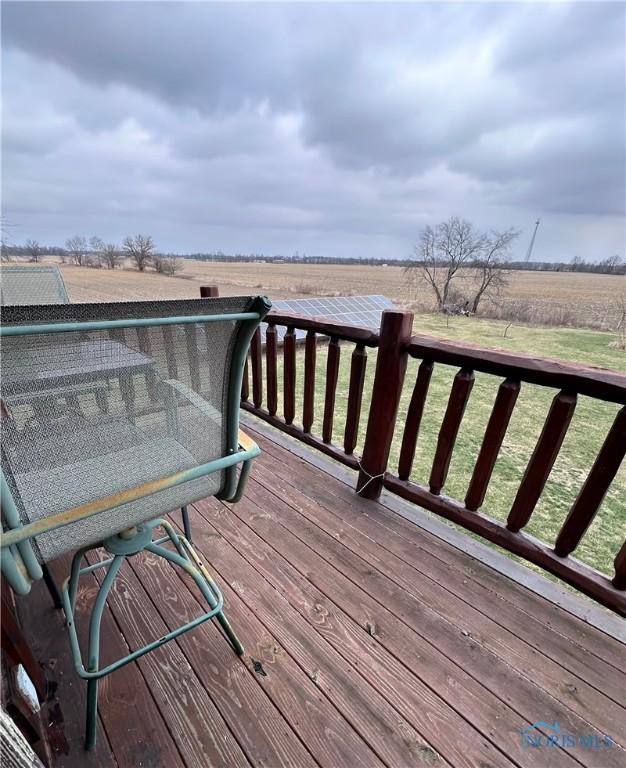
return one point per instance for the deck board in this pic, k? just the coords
(366, 709)
(380, 644)
(182, 700)
(135, 740)
(293, 695)
(252, 717)
(523, 600)
(412, 698)
(407, 562)
(517, 637)
(65, 705)
(410, 632)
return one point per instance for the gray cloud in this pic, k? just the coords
(335, 129)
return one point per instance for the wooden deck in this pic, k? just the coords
(369, 642)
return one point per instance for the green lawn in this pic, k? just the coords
(587, 431)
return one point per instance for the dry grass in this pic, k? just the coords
(551, 298)
(592, 295)
(590, 425)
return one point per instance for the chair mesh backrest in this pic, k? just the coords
(32, 285)
(95, 413)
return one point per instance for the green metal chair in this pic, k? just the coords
(34, 285)
(113, 415)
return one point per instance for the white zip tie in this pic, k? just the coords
(367, 482)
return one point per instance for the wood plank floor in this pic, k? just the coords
(369, 642)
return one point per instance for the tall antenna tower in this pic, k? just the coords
(532, 243)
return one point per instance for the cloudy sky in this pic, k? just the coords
(335, 130)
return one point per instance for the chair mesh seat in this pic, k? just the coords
(47, 492)
(95, 413)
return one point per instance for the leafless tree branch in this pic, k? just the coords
(140, 250)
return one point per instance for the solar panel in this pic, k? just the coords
(362, 311)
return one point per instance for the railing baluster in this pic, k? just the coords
(125, 379)
(207, 292)
(619, 580)
(395, 329)
(461, 388)
(289, 352)
(595, 487)
(170, 351)
(310, 352)
(245, 383)
(257, 369)
(192, 355)
(332, 372)
(542, 460)
(270, 359)
(145, 345)
(358, 364)
(394, 345)
(492, 442)
(414, 419)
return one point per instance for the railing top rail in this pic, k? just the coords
(325, 327)
(600, 383)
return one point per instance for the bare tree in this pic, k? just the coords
(33, 249)
(441, 252)
(77, 249)
(611, 265)
(96, 246)
(173, 265)
(427, 264)
(111, 255)
(6, 240)
(167, 265)
(490, 265)
(140, 249)
(578, 264)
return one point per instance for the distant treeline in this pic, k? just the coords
(612, 265)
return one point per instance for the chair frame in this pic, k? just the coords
(20, 566)
(123, 546)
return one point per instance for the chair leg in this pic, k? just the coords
(94, 651)
(52, 587)
(230, 634)
(184, 557)
(204, 582)
(186, 523)
(92, 715)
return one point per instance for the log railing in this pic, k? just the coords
(569, 381)
(394, 347)
(263, 371)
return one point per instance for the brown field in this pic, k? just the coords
(593, 418)
(551, 298)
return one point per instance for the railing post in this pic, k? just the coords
(209, 291)
(395, 332)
